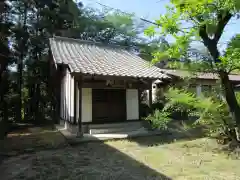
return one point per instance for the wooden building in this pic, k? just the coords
(97, 84)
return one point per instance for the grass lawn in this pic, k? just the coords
(30, 139)
(137, 159)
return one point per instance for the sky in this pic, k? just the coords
(152, 9)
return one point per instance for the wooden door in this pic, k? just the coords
(109, 105)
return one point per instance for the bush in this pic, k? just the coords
(214, 114)
(210, 112)
(180, 103)
(145, 110)
(159, 119)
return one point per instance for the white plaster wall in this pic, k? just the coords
(86, 105)
(198, 89)
(147, 91)
(132, 104)
(154, 92)
(67, 97)
(153, 97)
(71, 103)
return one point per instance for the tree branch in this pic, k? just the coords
(203, 34)
(222, 22)
(211, 44)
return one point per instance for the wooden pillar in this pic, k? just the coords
(75, 101)
(139, 104)
(80, 133)
(150, 97)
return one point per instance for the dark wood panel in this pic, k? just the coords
(109, 105)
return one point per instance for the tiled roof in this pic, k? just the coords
(96, 59)
(209, 76)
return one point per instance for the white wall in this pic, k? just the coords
(154, 92)
(86, 105)
(132, 104)
(198, 89)
(67, 100)
(71, 103)
(67, 97)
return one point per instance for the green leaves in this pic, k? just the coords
(183, 21)
(231, 58)
(122, 23)
(169, 23)
(159, 119)
(150, 31)
(158, 56)
(181, 100)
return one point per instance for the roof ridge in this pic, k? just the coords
(202, 72)
(112, 46)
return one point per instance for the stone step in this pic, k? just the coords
(116, 125)
(114, 128)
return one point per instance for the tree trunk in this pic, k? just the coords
(37, 99)
(4, 106)
(22, 44)
(30, 102)
(231, 100)
(228, 88)
(20, 81)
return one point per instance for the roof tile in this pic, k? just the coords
(96, 59)
(210, 76)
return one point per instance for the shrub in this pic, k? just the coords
(180, 103)
(159, 119)
(210, 112)
(214, 114)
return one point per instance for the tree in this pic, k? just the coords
(5, 59)
(26, 27)
(204, 21)
(20, 46)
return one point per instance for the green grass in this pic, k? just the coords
(32, 139)
(196, 159)
(136, 159)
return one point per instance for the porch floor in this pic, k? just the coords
(106, 136)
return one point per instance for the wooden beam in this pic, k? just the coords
(103, 85)
(108, 77)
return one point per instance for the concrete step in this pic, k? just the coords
(114, 128)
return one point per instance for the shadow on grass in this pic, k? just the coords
(92, 161)
(110, 163)
(25, 139)
(95, 160)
